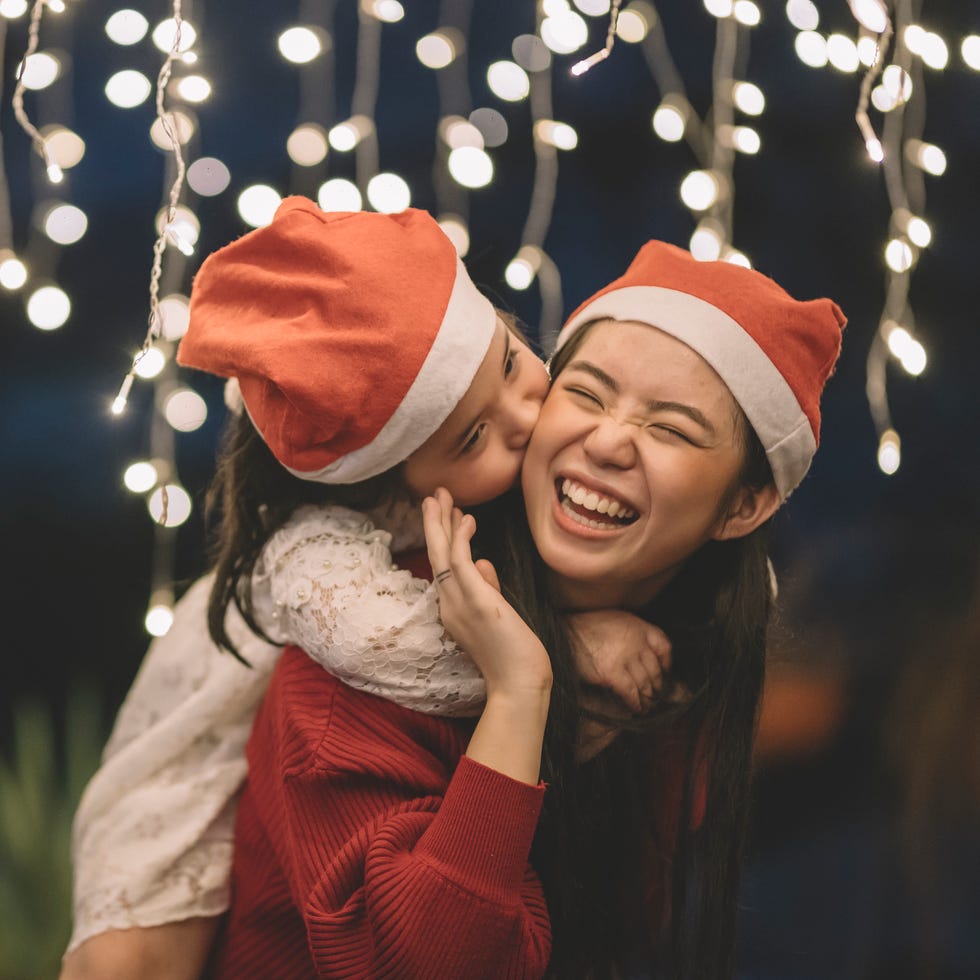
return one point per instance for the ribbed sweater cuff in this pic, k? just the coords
(483, 831)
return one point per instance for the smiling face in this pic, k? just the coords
(634, 465)
(476, 453)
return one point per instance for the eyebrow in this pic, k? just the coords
(653, 404)
(467, 431)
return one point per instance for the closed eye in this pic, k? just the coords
(585, 395)
(671, 432)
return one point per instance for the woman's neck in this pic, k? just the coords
(581, 596)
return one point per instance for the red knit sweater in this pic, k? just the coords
(367, 845)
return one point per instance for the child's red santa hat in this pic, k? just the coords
(352, 335)
(773, 352)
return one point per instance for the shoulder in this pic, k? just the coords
(331, 726)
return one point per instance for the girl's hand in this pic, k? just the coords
(504, 648)
(621, 652)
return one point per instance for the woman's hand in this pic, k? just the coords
(514, 663)
(504, 648)
(619, 651)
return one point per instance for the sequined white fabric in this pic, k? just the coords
(152, 839)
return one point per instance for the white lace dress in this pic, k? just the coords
(152, 838)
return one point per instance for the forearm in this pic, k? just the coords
(510, 733)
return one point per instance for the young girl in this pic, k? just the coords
(367, 361)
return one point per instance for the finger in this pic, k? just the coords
(436, 537)
(652, 667)
(644, 684)
(660, 644)
(488, 572)
(624, 686)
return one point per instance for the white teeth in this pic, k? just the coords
(591, 500)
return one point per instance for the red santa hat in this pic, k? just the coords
(352, 335)
(773, 352)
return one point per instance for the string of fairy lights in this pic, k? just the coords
(336, 153)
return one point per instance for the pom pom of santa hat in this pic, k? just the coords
(773, 352)
(352, 335)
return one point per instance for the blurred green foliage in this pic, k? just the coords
(40, 785)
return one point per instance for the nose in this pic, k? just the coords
(521, 415)
(610, 443)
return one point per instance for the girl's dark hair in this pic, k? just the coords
(252, 495)
(639, 849)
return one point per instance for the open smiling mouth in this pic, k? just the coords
(592, 509)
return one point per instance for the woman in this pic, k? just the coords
(684, 410)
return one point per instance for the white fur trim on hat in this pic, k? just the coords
(444, 378)
(754, 381)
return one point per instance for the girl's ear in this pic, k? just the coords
(749, 509)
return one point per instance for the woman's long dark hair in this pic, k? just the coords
(640, 848)
(254, 495)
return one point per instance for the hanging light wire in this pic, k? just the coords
(581, 67)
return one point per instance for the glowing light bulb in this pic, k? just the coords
(12, 9)
(128, 88)
(158, 620)
(748, 98)
(970, 51)
(803, 15)
(194, 88)
(927, 156)
(670, 118)
(56, 6)
(882, 100)
(897, 83)
(165, 35)
(339, 194)
(719, 8)
(700, 189)
(387, 11)
(744, 139)
(471, 166)
(48, 308)
(706, 242)
(307, 145)
(65, 224)
(257, 205)
(556, 134)
(13, 272)
(635, 21)
(593, 8)
(457, 232)
(918, 231)
(870, 14)
(127, 27)
(55, 174)
(181, 125)
(347, 134)
(508, 81)
(889, 452)
(898, 255)
(140, 477)
(388, 193)
(747, 13)
(842, 53)
(867, 50)
(174, 316)
(875, 150)
(62, 146)
(456, 131)
(208, 176)
(522, 269)
(178, 505)
(437, 50)
(185, 410)
(39, 70)
(183, 229)
(934, 51)
(149, 363)
(564, 32)
(914, 358)
(300, 45)
(811, 49)
(735, 257)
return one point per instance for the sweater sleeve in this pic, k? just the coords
(326, 582)
(404, 858)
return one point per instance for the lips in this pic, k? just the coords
(592, 508)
